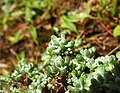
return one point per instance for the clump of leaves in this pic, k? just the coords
(66, 68)
(67, 21)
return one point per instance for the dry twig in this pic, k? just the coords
(113, 50)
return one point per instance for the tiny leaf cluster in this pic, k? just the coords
(66, 68)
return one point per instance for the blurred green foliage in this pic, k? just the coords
(18, 12)
(15, 13)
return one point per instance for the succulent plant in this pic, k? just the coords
(68, 68)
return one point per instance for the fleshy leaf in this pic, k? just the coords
(116, 31)
(118, 55)
(33, 32)
(65, 23)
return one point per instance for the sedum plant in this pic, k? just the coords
(65, 68)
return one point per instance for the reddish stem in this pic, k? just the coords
(106, 29)
(26, 80)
